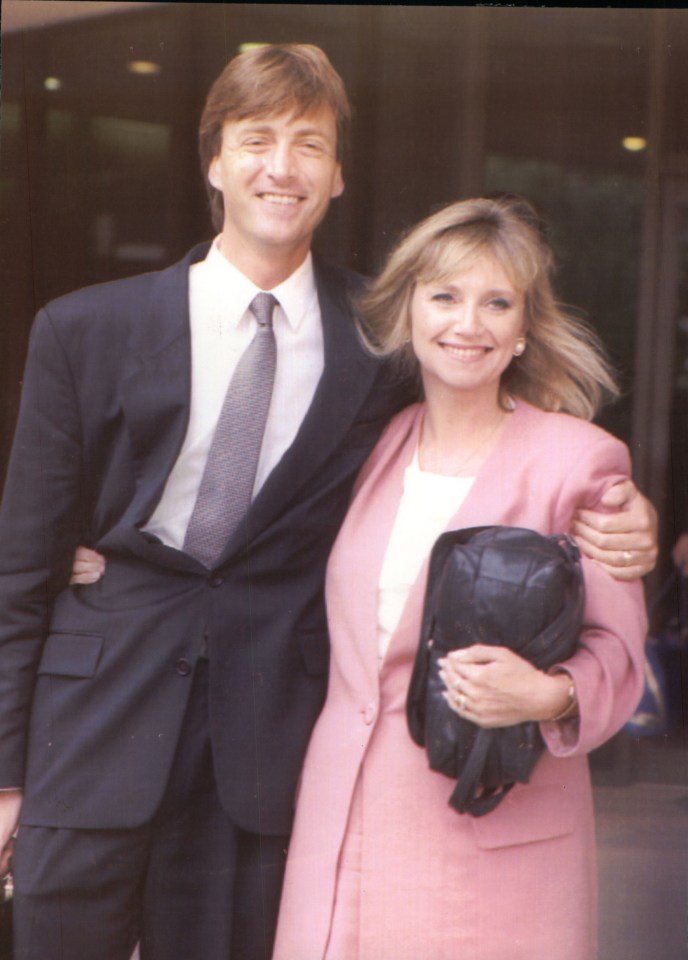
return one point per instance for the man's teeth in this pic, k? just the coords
(279, 198)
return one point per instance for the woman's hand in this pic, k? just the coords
(88, 566)
(623, 542)
(494, 687)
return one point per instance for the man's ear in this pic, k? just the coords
(337, 184)
(214, 178)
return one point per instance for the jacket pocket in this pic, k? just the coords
(71, 655)
(528, 814)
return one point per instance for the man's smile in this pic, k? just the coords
(281, 198)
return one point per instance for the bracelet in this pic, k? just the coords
(570, 708)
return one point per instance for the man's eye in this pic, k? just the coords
(312, 146)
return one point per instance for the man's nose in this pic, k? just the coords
(280, 161)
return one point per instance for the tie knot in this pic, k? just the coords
(261, 307)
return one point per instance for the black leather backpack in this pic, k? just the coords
(504, 586)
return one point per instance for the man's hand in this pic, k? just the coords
(88, 566)
(10, 805)
(623, 542)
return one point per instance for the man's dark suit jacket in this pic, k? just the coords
(94, 679)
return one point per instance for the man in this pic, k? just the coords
(157, 719)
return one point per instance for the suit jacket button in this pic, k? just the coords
(183, 667)
(369, 713)
(216, 580)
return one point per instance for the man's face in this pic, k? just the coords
(277, 176)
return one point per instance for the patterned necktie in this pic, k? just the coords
(224, 495)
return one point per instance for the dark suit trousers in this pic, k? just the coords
(190, 885)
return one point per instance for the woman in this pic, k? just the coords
(380, 867)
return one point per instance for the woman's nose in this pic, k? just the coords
(467, 318)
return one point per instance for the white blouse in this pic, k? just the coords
(427, 503)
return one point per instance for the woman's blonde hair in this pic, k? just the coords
(564, 366)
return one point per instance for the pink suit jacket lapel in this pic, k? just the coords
(352, 582)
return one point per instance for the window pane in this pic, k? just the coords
(564, 93)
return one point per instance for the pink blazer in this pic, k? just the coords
(544, 466)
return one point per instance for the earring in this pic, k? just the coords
(520, 346)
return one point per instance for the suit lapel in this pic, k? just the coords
(365, 536)
(156, 389)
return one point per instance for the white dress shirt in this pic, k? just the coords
(222, 327)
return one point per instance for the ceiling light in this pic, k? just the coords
(144, 68)
(52, 83)
(245, 47)
(634, 144)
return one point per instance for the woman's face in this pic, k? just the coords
(464, 331)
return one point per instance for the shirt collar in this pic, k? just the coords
(297, 294)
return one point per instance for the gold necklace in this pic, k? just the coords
(465, 461)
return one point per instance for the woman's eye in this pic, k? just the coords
(442, 298)
(500, 303)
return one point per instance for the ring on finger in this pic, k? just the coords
(628, 557)
(460, 700)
